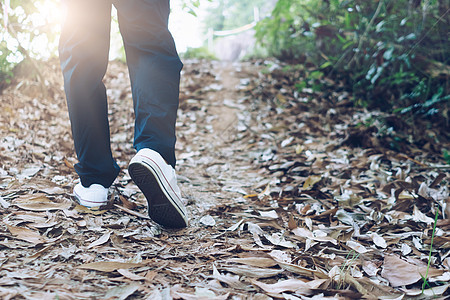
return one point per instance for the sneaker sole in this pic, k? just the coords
(161, 208)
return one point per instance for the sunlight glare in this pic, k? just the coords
(47, 19)
(50, 12)
(186, 29)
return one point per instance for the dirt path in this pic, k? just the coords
(65, 251)
(214, 165)
(223, 104)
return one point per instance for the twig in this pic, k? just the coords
(132, 212)
(413, 160)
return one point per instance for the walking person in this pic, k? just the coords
(154, 68)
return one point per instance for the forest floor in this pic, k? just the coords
(292, 193)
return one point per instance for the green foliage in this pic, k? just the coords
(429, 107)
(230, 14)
(5, 66)
(446, 154)
(198, 53)
(425, 278)
(391, 54)
(191, 5)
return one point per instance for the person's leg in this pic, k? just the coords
(83, 50)
(154, 68)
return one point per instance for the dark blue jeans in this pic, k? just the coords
(154, 68)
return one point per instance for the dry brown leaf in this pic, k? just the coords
(38, 220)
(200, 294)
(68, 164)
(37, 254)
(127, 203)
(271, 214)
(44, 206)
(253, 271)
(374, 289)
(26, 234)
(31, 217)
(86, 210)
(130, 275)
(4, 203)
(289, 285)
(311, 181)
(399, 272)
(150, 275)
(43, 224)
(44, 185)
(370, 268)
(39, 202)
(430, 293)
(231, 280)
(72, 214)
(301, 270)
(278, 239)
(122, 292)
(109, 266)
(305, 233)
(279, 255)
(357, 247)
(262, 262)
(378, 240)
(418, 216)
(103, 239)
(292, 223)
(235, 226)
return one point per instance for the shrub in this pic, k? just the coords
(199, 53)
(391, 54)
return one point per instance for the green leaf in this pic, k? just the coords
(326, 65)
(446, 155)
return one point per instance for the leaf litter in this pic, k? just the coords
(289, 197)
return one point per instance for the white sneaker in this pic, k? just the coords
(93, 197)
(158, 182)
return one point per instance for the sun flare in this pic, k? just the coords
(43, 27)
(50, 11)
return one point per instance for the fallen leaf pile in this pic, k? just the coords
(289, 198)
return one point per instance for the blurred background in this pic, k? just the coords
(34, 26)
(393, 55)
